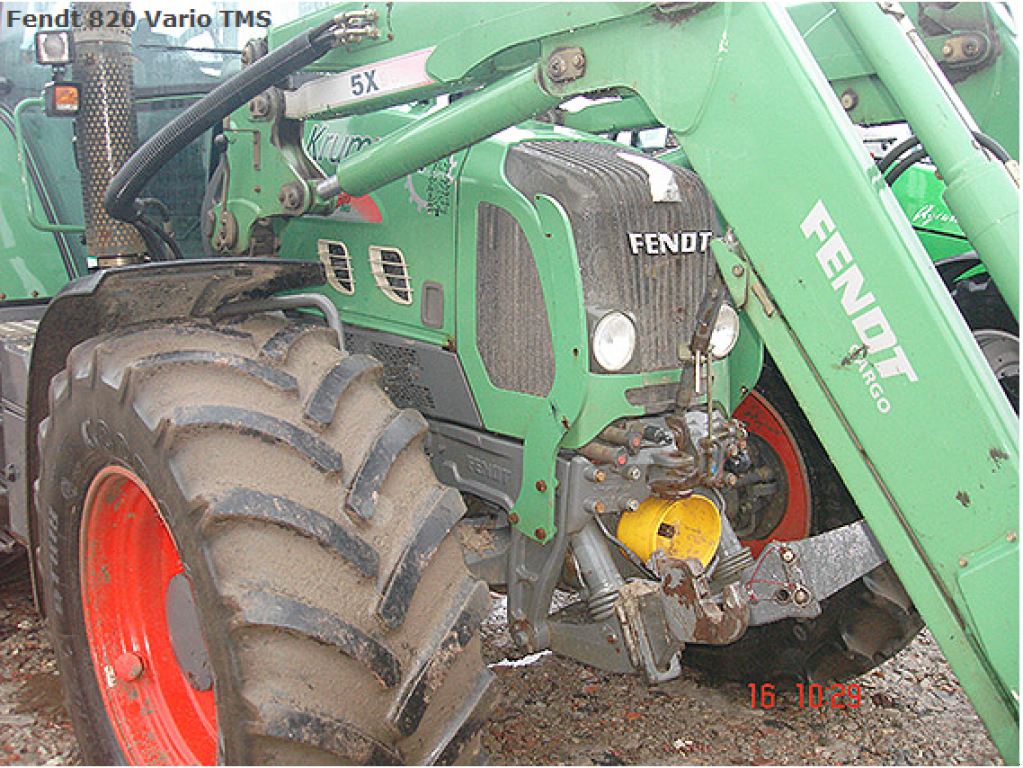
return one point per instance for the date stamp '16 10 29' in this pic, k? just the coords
(814, 695)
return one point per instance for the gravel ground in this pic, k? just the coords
(555, 711)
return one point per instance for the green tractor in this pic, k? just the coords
(387, 320)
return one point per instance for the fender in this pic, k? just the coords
(129, 296)
(952, 268)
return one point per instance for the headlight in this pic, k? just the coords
(614, 341)
(725, 333)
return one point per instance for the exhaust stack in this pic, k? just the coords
(106, 128)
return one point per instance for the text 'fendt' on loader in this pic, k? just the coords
(399, 304)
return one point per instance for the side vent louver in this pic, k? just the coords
(391, 273)
(337, 265)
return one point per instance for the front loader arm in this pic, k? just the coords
(818, 253)
(855, 316)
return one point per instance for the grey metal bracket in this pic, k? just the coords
(652, 648)
(791, 578)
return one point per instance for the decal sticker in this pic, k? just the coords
(440, 182)
(325, 146)
(382, 78)
(930, 213)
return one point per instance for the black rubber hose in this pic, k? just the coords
(907, 162)
(992, 146)
(298, 52)
(902, 147)
(896, 152)
(154, 234)
(155, 247)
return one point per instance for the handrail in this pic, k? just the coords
(19, 139)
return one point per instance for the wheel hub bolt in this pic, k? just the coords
(128, 667)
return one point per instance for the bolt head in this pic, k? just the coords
(513, 518)
(947, 49)
(788, 555)
(1011, 536)
(540, 534)
(738, 271)
(963, 562)
(541, 486)
(128, 667)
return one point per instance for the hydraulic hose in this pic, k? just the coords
(905, 164)
(902, 147)
(300, 51)
(896, 152)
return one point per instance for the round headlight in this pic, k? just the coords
(614, 341)
(725, 333)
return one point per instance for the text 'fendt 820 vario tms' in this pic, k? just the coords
(427, 328)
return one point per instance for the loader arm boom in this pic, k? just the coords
(818, 253)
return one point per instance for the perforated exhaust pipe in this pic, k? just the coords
(106, 128)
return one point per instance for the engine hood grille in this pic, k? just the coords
(608, 194)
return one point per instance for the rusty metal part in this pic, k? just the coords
(693, 614)
(631, 439)
(700, 455)
(602, 453)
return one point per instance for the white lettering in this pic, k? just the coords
(897, 364)
(874, 320)
(833, 255)
(852, 280)
(812, 223)
(860, 305)
(668, 243)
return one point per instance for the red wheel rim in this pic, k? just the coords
(128, 560)
(763, 420)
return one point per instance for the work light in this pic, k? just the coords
(53, 47)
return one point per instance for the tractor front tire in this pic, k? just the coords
(248, 558)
